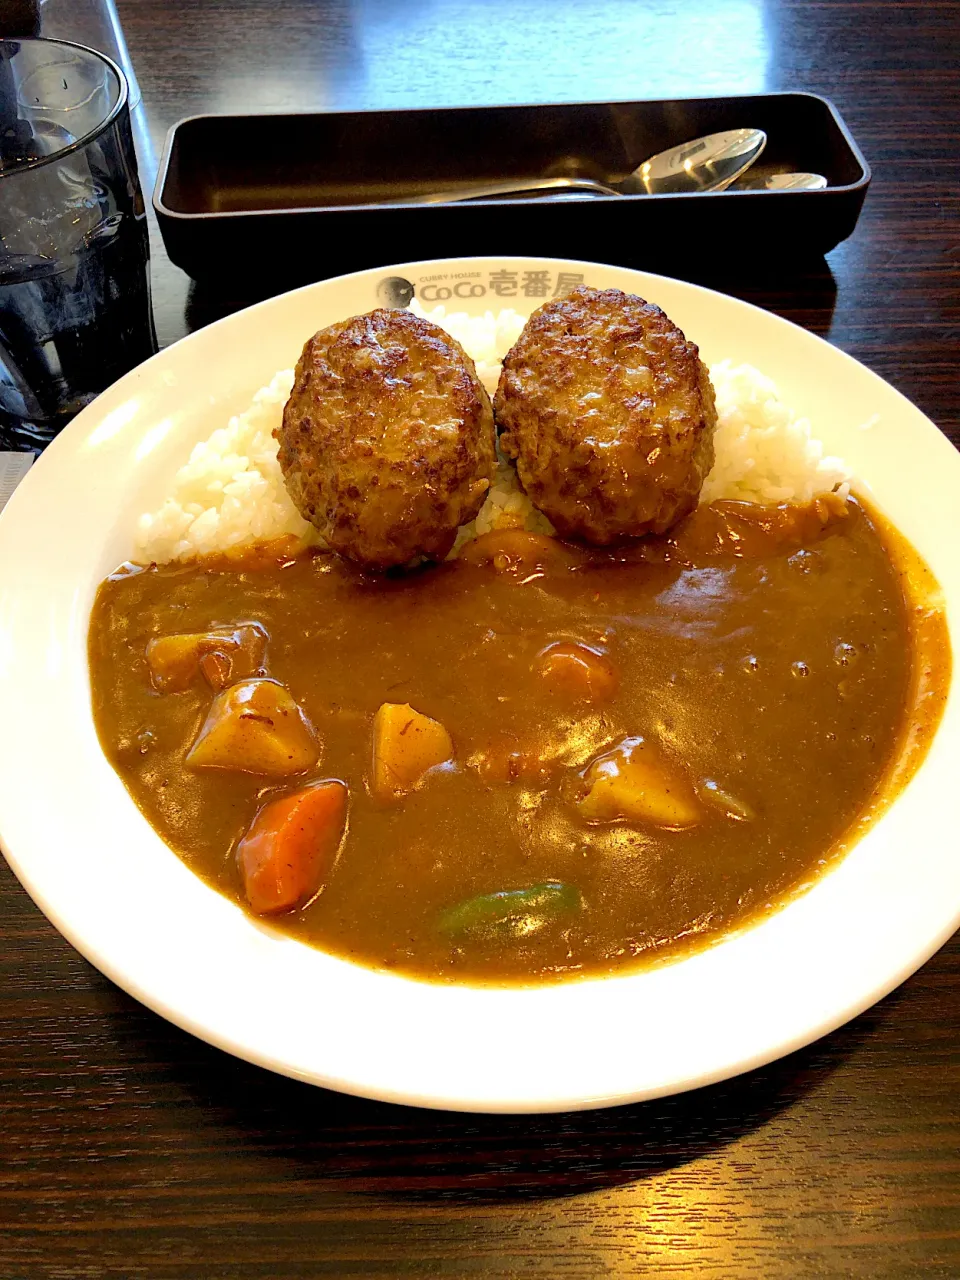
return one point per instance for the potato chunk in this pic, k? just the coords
(634, 782)
(255, 727)
(222, 655)
(406, 744)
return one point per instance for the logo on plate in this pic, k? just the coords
(394, 292)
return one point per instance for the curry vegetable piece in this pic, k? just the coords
(576, 672)
(406, 744)
(736, 809)
(517, 553)
(511, 913)
(222, 655)
(255, 727)
(634, 782)
(291, 845)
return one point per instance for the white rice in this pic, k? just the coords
(230, 492)
(764, 452)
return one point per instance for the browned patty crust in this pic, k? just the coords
(610, 415)
(387, 441)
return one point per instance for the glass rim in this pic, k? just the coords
(92, 134)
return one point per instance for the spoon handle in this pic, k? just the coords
(519, 186)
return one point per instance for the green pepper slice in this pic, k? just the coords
(511, 913)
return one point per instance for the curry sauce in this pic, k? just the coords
(774, 660)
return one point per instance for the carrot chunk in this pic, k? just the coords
(291, 847)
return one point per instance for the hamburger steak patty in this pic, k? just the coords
(610, 415)
(387, 440)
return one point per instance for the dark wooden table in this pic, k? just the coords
(130, 1149)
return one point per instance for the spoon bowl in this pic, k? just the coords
(769, 178)
(710, 163)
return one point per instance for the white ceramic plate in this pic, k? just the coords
(109, 884)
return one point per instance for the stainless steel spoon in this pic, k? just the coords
(705, 164)
(766, 181)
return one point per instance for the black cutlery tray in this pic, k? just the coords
(308, 195)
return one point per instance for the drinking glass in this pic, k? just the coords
(74, 256)
(95, 24)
